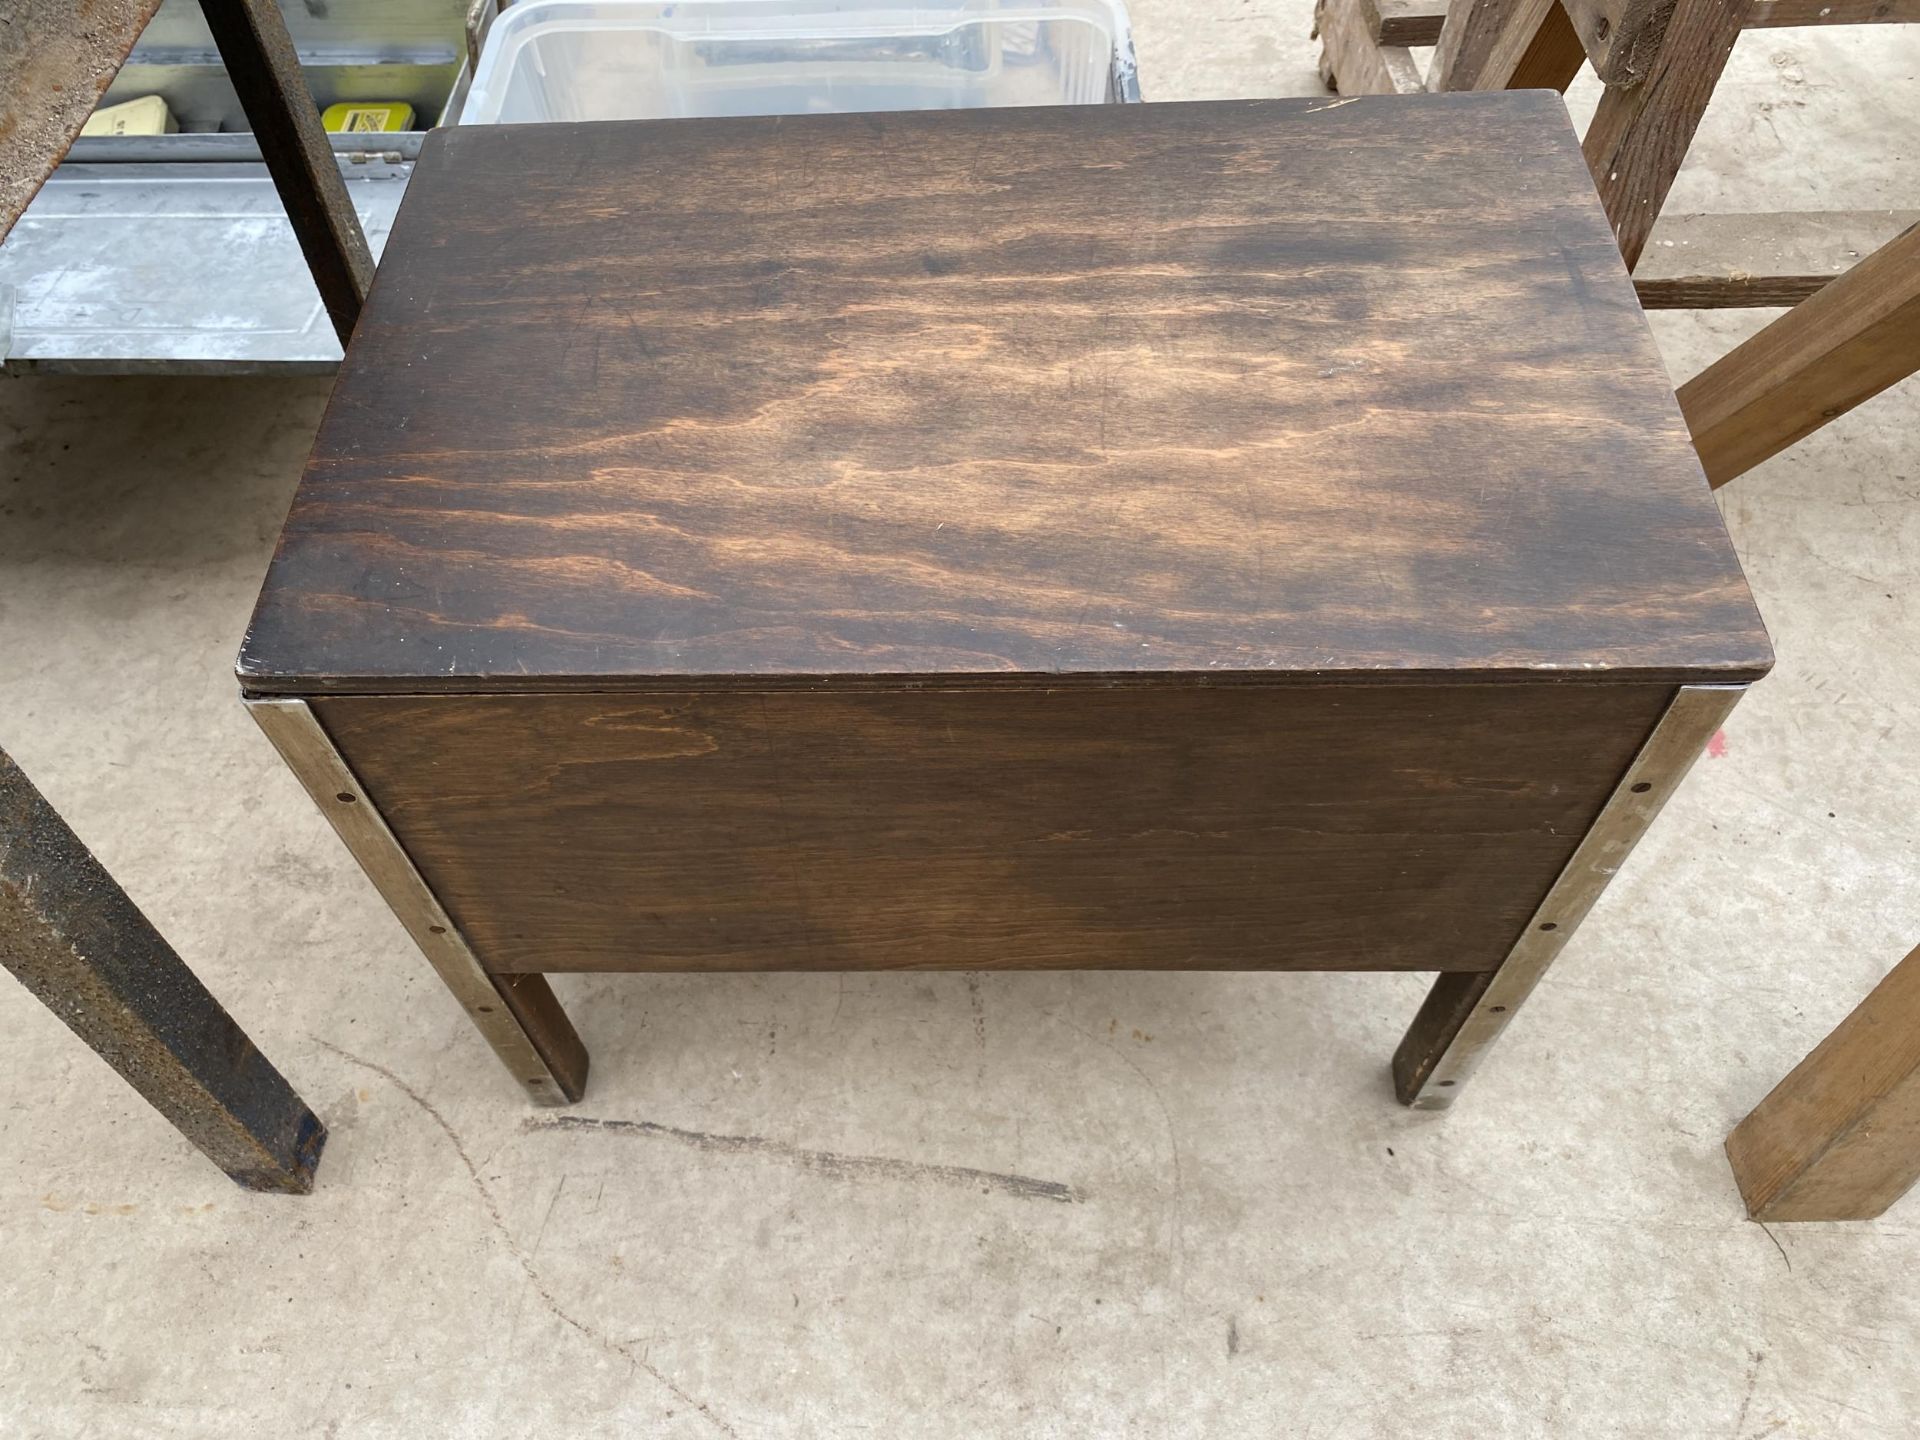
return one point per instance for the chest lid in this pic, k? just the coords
(1231, 392)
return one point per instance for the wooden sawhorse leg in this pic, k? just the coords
(1839, 1138)
(518, 1014)
(72, 937)
(1659, 64)
(1641, 130)
(1842, 345)
(1506, 45)
(1464, 1013)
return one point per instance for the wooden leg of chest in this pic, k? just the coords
(517, 1014)
(1839, 1138)
(1465, 1012)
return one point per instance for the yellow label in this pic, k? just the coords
(346, 118)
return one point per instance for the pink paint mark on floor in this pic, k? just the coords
(1717, 746)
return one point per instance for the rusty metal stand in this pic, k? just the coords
(58, 56)
(67, 931)
(72, 937)
(253, 41)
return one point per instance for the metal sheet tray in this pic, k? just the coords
(180, 266)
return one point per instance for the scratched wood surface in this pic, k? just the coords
(1251, 391)
(1367, 827)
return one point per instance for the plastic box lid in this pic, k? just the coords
(644, 60)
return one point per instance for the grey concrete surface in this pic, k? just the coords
(1241, 1233)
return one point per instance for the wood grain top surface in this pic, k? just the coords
(1237, 391)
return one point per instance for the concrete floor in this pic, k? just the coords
(1259, 1242)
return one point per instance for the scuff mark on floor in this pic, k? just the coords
(1177, 1246)
(1746, 1401)
(979, 1007)
(534, 1278)
(821, 1162)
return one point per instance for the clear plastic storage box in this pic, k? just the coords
(643, 60)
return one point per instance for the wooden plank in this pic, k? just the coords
(1624, 38)
(1464, 1015)
(73, 937)
(56, 58)
(1324, 827)
(1770, 13)
(1407, 22)
(1418, 23)
(1640, 134)
(1555, 57)
(1351, 61)
(265, 71)
(1506, 45)
(1482, 42)
(1857, 336)
(863, 415)
(517, 1014)
(1839, 1138)
(1705, 262)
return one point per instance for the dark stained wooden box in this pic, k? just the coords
(1252, 535)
